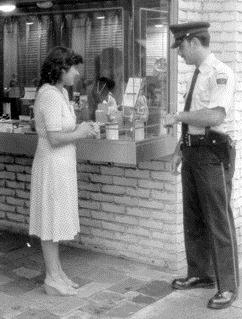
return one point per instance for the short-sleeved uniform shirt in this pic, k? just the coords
(214, 88)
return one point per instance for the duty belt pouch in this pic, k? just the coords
(221, 145)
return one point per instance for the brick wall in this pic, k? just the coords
(125, 211)
(236, 63)
(129, 211)
(14, 191)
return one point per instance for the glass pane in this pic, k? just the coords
(155, 56)
(124, 78)
(98, 37)
(149, 71)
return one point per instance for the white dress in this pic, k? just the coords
(54, 197)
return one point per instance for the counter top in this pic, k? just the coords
(97, 150)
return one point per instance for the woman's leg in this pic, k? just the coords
(63, 275)
(50, 253)
(54, 284)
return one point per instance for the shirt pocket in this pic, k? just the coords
(202, 90)
(204, 96)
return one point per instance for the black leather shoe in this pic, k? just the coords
(192, 283)
(222, 300)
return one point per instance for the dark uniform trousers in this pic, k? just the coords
(210, 237)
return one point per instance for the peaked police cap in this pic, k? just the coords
(184, 30)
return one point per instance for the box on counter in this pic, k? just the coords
(16, 126)
(6, 126)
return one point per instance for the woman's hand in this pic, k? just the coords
(85, 129)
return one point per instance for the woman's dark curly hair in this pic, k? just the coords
(59, 58)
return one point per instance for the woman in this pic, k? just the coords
(54, 199)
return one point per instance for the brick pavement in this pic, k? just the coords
(110, 287)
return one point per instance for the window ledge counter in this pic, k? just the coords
(97, 150)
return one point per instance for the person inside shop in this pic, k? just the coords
(15, 92)
(108, 77)
(109, 64)
(54, 198)
(208, 156)
(101, 92)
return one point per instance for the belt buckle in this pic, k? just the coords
(189, 140)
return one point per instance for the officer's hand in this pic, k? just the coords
(175, 162)
(169, 120)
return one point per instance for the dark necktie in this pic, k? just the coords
(188, 104)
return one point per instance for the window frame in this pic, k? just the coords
(172, 59)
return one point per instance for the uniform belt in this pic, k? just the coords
(193, 141)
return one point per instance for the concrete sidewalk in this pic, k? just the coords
(110, 287)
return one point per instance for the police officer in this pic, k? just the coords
(207, 155)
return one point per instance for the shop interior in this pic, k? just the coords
(122, 41)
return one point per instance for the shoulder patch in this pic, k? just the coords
(221, 81)
(221, 78)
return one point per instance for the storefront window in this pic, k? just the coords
(124, 82)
